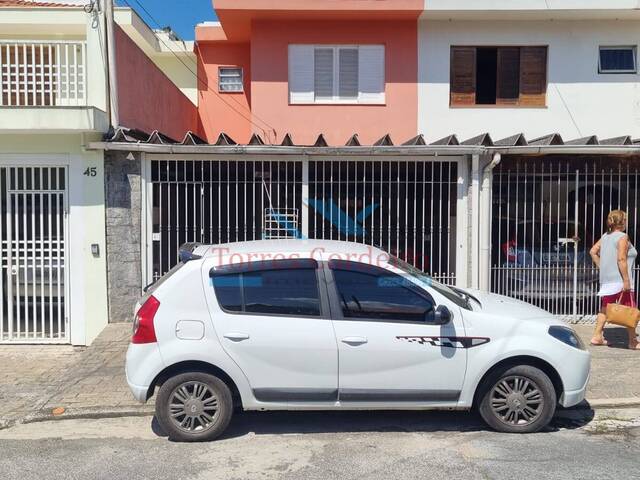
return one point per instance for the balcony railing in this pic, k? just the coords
(42, 73)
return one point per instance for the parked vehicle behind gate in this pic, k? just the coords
(542, 263)
(326, 325)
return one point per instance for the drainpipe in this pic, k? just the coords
(484, 260)
(111, 63)
(475, 220)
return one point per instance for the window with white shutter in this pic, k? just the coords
(323, 74)
(336, 74)
(371, 74)
(348, 74)
(301, 69)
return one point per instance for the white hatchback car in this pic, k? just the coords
(326, 325)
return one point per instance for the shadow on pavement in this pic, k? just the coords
(156, 428)
(572, 418)
(269, 423)
(617, 337)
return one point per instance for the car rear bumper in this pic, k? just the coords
(142, 365)
(140, 392)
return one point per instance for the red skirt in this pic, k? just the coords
(626, 298)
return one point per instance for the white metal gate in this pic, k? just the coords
(33, 231)
(407, 207)
(547, 213)
(217, 202)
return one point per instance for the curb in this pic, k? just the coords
(148, 409)
(614, 402)
(80, 413)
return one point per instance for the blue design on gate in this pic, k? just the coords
(334, 214)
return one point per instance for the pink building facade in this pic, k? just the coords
(309, 70)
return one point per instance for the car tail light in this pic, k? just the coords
(143, 329)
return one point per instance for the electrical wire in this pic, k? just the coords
(198, 79)
(566, 107)
(201, 81)
(195, 64)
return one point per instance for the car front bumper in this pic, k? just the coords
(573, 397)
(575, 372)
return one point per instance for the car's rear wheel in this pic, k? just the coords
(194, 407)
(519, 399)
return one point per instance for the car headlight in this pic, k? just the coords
(567, 335)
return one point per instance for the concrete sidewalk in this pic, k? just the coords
(34, 380)
(90, 381)
(614, 369)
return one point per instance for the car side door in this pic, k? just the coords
(389, 346)
(272, 319)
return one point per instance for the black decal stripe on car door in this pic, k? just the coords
(450, 342)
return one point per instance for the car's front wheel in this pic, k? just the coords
(194, 407)
(518, 399)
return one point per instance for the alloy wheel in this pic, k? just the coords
(517, 400)
(193, 407)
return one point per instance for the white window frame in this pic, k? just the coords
(336, 100)
(220, 75)
(618, 47)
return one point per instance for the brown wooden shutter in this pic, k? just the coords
(463, 76)
(508, 80)
(533, 76)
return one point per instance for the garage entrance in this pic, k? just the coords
(547, 213)
(33, 231)
(407, 207)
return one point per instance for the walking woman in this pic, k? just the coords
(614, 255)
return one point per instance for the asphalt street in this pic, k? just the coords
(362, 445)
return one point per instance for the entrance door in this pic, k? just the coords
(33, 231)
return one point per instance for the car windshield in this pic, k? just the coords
(455, 295)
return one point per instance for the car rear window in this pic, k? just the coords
(271, 292)
(154, 286)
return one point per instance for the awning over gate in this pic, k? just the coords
(156, 142)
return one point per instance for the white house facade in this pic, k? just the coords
(54, 101)
(551, 86)
(581, 98)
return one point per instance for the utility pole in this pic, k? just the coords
(111, 62)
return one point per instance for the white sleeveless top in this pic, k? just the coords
(610, 277)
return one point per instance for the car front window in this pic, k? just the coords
(426, 280)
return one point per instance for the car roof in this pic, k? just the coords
(285, 247)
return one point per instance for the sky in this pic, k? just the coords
(181, 15)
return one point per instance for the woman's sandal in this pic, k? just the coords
(602, 343)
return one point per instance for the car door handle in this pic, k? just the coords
(353, 341)
(236, 336)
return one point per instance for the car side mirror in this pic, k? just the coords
(442, 315)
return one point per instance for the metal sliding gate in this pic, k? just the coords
(33, 232)
(407, 207)
(547, 213)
